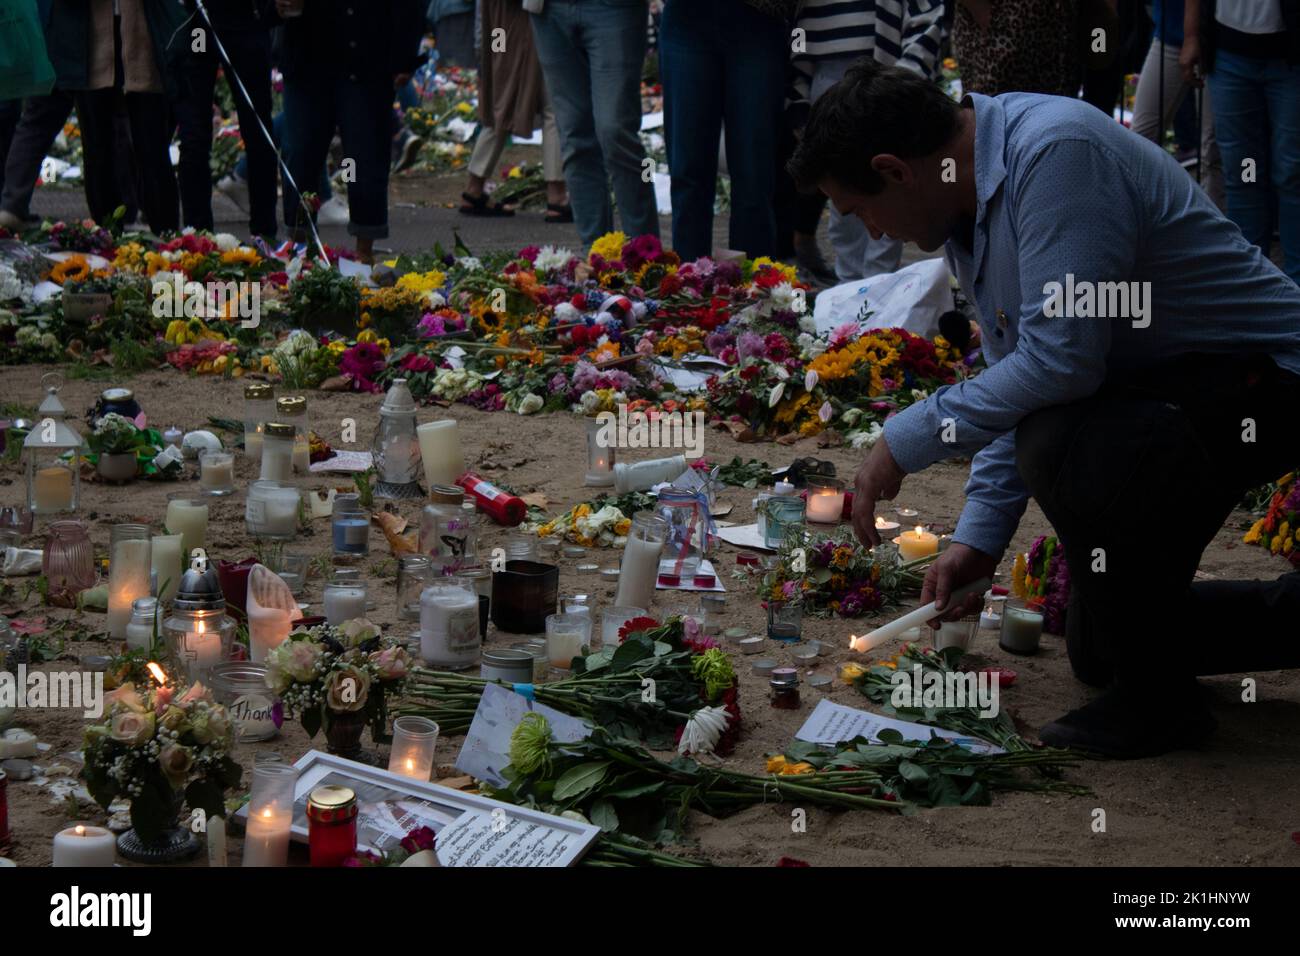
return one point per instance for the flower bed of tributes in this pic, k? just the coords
(545, 329)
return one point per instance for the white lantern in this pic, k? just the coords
(396, 449)
(53, 451)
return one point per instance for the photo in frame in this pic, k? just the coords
(472, 830)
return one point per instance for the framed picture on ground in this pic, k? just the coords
(472, 830)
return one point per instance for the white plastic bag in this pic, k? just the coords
(912, 298)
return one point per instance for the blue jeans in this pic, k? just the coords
(1257, 117)
(591, 53)
(723, 64)
(362, 111)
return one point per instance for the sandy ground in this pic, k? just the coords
(1231, 803)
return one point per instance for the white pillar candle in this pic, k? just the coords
(449, 634)
(84, 845)
(266, 840)
(344, 604)
(168, 560)
(916, 543)
(638, 573)
(189, 519)
(825, 506)
(128, 579)
(253, 445)
(440, 452)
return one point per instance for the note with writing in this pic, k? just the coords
(830, 723)
(499, 839)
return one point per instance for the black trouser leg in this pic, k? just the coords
(194, 116)
(250, 56)
(42, 119)
(99, 157)
(1136, 483)
(151, 135)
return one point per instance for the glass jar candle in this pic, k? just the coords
(784, 687)
(687, 514)
(600, 453)
(331, 825)
(565, 635)
(187, 517)
(271, 509)
(639, 570)
(259, 408)
(68, 562)
(277, 452)
(612, 620)
(825, 500)
(350, 527)
(292, 410)
(783, 516)
(395, 449)
(521, 547)
(957, 633)
(129, 564)
(413, 575)
(240, 687)
(217, 472)
(446, 528)
(344, 600)
(449, 626)
(142, 630)
(292, 569)
(270, 814)
(536, 649)
(510, 664)
(784, 621)
(198, 633)
(1022, 627)
(414, 740)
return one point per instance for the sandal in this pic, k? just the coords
(558, 212)
(479, 206)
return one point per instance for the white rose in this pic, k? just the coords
(531, 403)
(225, 241)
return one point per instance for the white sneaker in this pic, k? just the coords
(332, 212)
(235, 189)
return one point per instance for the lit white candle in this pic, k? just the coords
(825, 506)
(129, 566)
(266, 840)
(84, 845)
(883, 526)
(414, 741)
(915, 618)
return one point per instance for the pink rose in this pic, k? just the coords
(391, 663)
(175, 762)
(132, 727)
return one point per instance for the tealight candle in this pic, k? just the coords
(270, 814)
(83, 845)
(414, 740)
(885, 526)
(916, 544)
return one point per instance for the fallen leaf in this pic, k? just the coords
(336, 383)
(535, 500)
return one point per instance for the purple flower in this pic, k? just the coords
(751, 345)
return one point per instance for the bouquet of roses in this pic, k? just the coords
(160, 748)
(322, 673)
(1041, 577)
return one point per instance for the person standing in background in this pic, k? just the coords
(342, 64)
(454, 30)
(243, 28)
(907, 33)
(512, 96)
(1024, 46)
(127, 57)
(592, 53)
(1249, 51)
(722, 65)
(1162, 89)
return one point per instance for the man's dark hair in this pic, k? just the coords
(874, 109)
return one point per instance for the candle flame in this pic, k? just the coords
(410, 764)
(266, 814)
(918, 531)
(158, 673)
(80, 830)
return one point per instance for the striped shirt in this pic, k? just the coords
(907, 33)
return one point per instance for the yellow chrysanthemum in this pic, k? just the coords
(609, 246)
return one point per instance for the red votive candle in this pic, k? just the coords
(331, 825)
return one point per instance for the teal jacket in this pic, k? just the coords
(68, 43)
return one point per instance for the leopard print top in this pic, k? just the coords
(1030, 47)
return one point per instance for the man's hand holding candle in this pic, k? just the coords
(958, 564)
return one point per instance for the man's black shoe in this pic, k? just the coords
(1119, 726)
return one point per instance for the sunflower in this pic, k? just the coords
(242, 256)
(75, 268)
